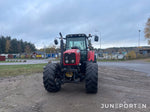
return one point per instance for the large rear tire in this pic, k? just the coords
(91, 81)
(50, 77)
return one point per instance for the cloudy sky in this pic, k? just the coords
(40, 21)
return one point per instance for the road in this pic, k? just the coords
(132, 65)
(25, 93)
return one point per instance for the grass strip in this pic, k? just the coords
(14, 70)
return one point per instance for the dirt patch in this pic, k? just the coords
(116, 85)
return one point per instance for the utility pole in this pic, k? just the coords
(100, 40)
(139, 38)
(44, 50)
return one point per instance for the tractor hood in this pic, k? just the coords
(72, 51)
(71, 57)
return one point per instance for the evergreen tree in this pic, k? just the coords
(8, 45)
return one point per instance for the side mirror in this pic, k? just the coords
(56, 41)
(96, 38)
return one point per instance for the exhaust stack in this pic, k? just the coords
(62, 48)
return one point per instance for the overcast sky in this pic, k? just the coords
(40, 21)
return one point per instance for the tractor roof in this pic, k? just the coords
(76, 35)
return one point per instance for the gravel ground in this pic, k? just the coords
(116, 85)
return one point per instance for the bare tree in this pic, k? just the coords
(27, 49)
(147, 30)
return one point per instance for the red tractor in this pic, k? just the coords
(77, 63)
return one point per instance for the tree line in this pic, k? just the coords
(8, 45)
(50, 49)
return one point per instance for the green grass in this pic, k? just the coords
(56, 59)
(14, 70)
(9, 62)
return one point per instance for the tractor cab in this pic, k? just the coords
(78, 41)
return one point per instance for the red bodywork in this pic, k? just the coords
(77, 53)
(91, 55)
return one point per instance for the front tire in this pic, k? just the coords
(50, 78)
(91, 81)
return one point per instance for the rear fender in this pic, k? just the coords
(91, 56)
